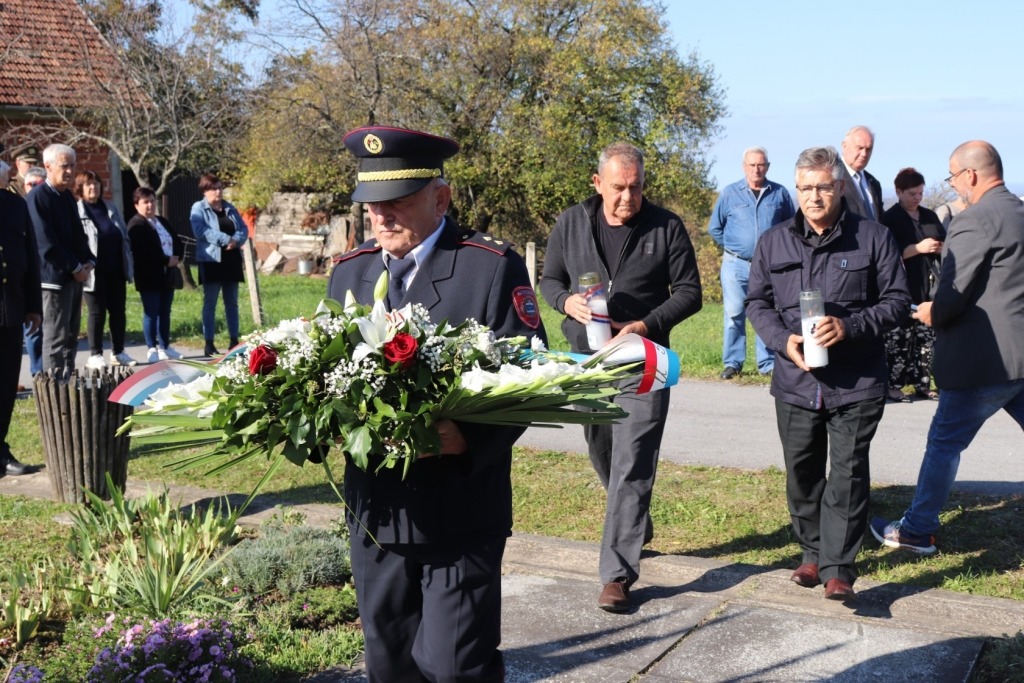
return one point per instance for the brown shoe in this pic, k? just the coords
(806, 575)
(614, 597)
(837, 589)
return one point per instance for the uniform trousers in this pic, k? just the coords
(10, 369)
(829, 514)
(62, 319)
(430, 613)
(625, 457)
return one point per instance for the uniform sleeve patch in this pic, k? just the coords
(525, 302)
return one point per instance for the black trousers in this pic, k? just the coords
(10, 370)
(430, 613)
(829, 514)
(108, 296)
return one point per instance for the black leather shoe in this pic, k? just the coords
(729, 372)
(210, 350)
(13, 467)
(896, 396)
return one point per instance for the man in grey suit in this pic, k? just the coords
(862, 190)
(978, 316)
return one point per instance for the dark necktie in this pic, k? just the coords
(397, 270)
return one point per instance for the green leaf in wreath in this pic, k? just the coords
(358, 444)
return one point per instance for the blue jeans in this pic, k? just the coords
(211, 290)
(34, 349)
(156, 317)
(958, 418)
(735, 275)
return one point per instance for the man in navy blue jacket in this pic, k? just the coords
(828, 415)
(65, 260)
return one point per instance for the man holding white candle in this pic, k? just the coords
(642, 254)
(827, 414)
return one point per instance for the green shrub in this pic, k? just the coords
(288, 651)
(69, 660)
(288, 559)
(323, 607)
(1005, 660)
(147, 554)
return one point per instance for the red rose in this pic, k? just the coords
(262, 360)
(401, 349)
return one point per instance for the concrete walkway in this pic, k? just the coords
(697, 619)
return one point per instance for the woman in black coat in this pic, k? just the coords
(156, 249)
(919, 234)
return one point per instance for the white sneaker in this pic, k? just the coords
(122, 359)
(96, 362)
(152, 356)
(168, 354)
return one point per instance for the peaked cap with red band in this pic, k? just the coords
(396, 162)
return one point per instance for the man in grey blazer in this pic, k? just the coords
(862, 190)
(978, 316)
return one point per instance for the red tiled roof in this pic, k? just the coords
(51, 55)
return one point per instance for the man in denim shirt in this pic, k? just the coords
(744, 210)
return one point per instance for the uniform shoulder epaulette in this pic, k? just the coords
(482, 240)
(367, 247)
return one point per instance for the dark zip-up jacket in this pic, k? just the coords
(656, 280)
(859, 270)
(60, 237)
(20, 292)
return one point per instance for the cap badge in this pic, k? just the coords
(373, 144)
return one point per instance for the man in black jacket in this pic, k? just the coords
(20, 303)
(643, 254)
(426, 550)
(827, 414)
(65, 260)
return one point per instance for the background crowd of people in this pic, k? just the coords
(73, 246)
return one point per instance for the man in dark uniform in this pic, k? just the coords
(20, 302)
(24, 158)
(426, 551)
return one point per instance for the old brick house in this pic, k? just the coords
(51, 59)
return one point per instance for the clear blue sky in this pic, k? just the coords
(923, 76)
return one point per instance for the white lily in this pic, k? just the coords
(189, 398)
(296, 329)
(375, 330)
(350, 302)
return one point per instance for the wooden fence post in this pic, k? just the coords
(252, 279)
(531, 262)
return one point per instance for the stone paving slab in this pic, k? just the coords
(553, 631)
(748, 643)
